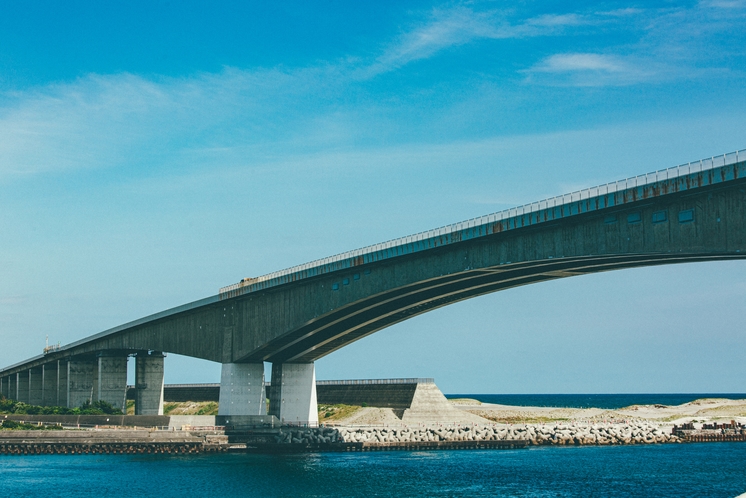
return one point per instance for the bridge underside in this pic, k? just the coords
(357, 320)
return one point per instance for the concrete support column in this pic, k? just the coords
(111, 383)
(293, 393)
(49, 384)
(242, 389)
(149, 383)
(36, 386)
(22, 386)
(62, 399)
(5, 387)
(13, 387)
(81, 377)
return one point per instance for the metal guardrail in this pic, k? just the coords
(356, 382)
(414, 243)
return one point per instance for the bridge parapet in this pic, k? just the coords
(672, 180)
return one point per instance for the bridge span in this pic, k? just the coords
(689, 213)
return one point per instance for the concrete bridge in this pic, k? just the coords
(693, 212)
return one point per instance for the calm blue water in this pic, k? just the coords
(690, 470)
(605, 401)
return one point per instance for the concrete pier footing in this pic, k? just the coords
(242, 389)
(111, 385)
(80, 381)
(293, 393)
(149, 383)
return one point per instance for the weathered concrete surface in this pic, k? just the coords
(112, 380)
(81, 379)
(36, 386)
(429, 405)
(242, 389)
(149, 384)
(293, 393)
(50, 391)
(396, 396)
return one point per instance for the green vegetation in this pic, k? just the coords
(9, 406)
(517, 419)
(465, 401)
(190, 408)
(12, 425)
(330, 413)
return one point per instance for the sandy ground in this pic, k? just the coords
(703, 410)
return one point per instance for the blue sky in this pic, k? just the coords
(152, 152)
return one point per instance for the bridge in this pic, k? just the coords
(291, 318)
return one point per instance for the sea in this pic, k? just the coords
(669, 470)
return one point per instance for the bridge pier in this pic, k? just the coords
(111, 385)
(13, 387)
(149, 383)
(36, 386)
(81, 380)
(242, 389)
(5, 387)
(49, 384)
(62, 383)
(293, 393)
(22, 386)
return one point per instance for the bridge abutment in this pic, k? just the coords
(112, 380)
(149, 383)
(293, 393)
(80, 383)
(242, 389)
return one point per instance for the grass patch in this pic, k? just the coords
(465, 401)
(520, 420)
(12, 425)
(330, 413)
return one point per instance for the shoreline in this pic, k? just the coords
(463, 424)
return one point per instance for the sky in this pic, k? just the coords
(153, 152)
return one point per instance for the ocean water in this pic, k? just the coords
(605, 401)
(676, 470)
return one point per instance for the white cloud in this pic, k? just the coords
(580, 62)
(591, 69)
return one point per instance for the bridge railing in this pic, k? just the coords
(365, 382)
(391, 248)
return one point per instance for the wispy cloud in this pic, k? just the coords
(446, 28)
(590, 69)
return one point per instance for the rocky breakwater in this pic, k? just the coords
(552, 434)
